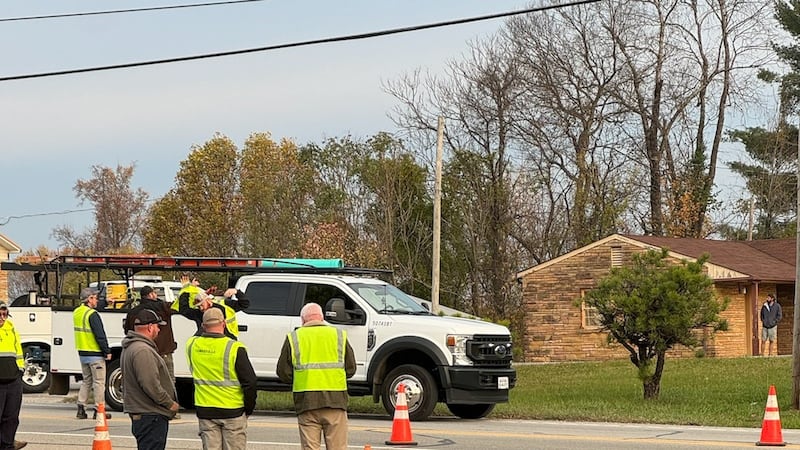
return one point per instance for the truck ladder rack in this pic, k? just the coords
(137, 263)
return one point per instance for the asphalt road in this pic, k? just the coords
(48, 422)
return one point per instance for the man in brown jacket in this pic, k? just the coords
(165, 340)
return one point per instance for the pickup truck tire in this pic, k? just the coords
(114, 385)
(471, 411)
(35, 376)
(420, 387)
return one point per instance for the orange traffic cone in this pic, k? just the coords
(401, 425)
(367, 447)
(771, 433)
(102, 441)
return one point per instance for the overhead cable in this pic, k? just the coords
(118, 11)
(351, 37)
(55, 213)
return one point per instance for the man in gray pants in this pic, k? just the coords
(771, 314)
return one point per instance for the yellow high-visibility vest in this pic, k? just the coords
(318, 358)
(84, 338)
(10, 346)
(212, 362)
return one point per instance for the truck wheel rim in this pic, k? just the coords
(34, 375)
(414, 392)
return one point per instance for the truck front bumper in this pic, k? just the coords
(472, 385)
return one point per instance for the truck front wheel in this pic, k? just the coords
(114, 385)
(471, 411)
(421, 391)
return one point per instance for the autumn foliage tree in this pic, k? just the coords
(200, 215)
(653, 305)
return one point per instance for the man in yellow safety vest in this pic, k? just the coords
(224, 384)
(93, 351)
(317, 360)
(11, 367)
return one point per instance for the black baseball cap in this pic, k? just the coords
(146, 317)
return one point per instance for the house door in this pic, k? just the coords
(785, 296)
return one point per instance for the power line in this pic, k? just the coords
(118, 11)
(351, 37)
(55, 213)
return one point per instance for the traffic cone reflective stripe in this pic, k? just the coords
(102, 441)
(771, 433)
(401, 425)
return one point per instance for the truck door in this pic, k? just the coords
(342, 312)
(264, 326)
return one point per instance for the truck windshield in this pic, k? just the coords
(386, 298)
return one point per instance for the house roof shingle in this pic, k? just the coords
(771, 259)
(762, 260)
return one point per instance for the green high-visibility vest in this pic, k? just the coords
(230, 318)
(10, 346)
(192, 290)
(318, 358)
(84, 338)
(212, 362)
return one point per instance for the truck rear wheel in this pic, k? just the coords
(471, 411)
(420, 387)
(114, 385)
(36, 374)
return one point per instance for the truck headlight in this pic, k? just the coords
(457, 344)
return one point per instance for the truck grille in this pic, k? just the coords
(490, 350)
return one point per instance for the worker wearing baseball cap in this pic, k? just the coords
(233, 300)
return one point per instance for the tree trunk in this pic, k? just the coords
(652, 384)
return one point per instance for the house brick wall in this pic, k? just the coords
(553, 330)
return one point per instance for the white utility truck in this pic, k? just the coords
(464, 363)
(33, 317)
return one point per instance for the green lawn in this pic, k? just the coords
(702, 391)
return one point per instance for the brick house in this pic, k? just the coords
(744, 271)
(7, 247)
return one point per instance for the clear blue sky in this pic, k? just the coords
(52, 130)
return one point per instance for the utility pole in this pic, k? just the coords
(437, 218)
(796, 312)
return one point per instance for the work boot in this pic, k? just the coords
(81, 413)
(94, 416)
(19, 444)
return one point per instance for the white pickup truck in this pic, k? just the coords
(464, 363)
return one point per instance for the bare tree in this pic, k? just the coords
(684, 63)
(476, 100)
(119, 212)
(568, 117)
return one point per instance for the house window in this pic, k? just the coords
(590, 317)
(616, 256)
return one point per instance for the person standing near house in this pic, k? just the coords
(317, 360)
(93, 351)
(771, 314)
